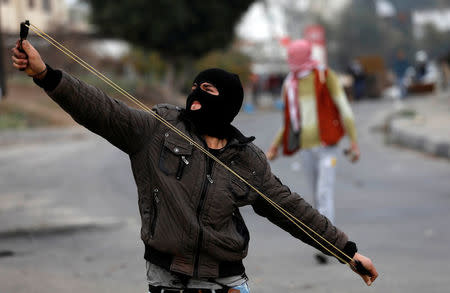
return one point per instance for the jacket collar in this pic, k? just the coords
(237, 138)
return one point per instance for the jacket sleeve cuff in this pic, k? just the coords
(51, 79)
(350, 249)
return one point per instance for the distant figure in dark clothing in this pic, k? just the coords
(359, 79)
(445, 68)
(399, 66)
(421, 66)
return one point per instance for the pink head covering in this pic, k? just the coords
(299, 56)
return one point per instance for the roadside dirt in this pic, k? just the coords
(28, 106)
(34, 105)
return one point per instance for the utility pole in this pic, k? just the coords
(2, 69)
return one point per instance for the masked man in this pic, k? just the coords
(195, 238)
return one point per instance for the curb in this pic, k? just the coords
(41, 135)
(70, 226)
(399, 136)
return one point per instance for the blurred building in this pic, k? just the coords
(48, 15)
(268, 22)
(267, 56)
(438, 18)
(79, 17)
(328, 10)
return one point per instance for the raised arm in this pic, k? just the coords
(123, 126)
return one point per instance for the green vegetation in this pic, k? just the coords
(19, 119)
(407, 113)
(13, 120)
(175, 28)
(170, 34)
(230, 60)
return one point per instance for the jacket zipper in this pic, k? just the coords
(209, 180)
(155, 211)
(183, 162)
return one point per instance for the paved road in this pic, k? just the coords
(395, 204)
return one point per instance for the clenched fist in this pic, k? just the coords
(30, 61)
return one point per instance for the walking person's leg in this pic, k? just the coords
(310, 166)
(325, 182)
(309, 160)
(324, 187)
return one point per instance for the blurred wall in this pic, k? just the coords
(48, 15)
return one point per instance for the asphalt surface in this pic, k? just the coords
(394, 204)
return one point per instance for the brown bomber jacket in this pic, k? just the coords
(189, 205)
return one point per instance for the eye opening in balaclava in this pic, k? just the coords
(217, 111)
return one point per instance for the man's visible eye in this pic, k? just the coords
(208, 88)
(194, 86)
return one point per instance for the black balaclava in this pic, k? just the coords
(217, 112)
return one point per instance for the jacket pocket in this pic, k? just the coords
(238, 187)
(175, 155)
(154, 211)
(242, 230)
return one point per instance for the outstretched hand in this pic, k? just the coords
(30, 60)
(353, 152)
(368, 265)
(272, 153)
